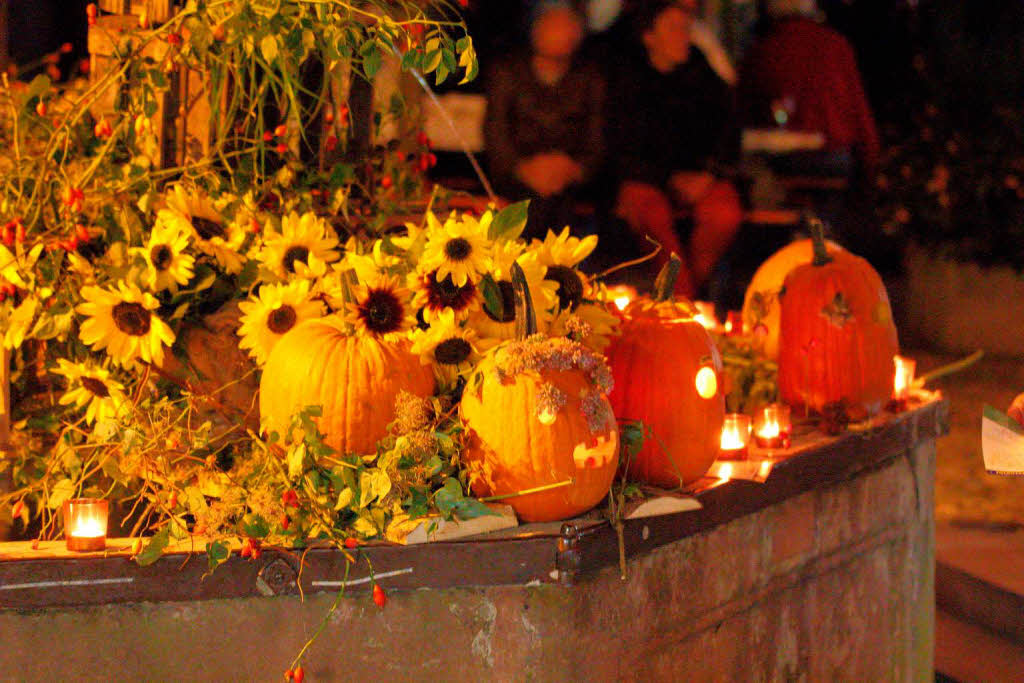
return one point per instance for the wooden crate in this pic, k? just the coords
(157, 10)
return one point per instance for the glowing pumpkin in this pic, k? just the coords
(837, 336)
(354, 378)
(761, 302)
(539, 429)
(666, 369)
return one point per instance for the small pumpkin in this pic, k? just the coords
(761, 302)
(539, 430)
(355, 379)
(666, 369)
(837, 335)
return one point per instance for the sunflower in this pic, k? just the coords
(458, 249)
(122, 322)
(433, 296)
(192, 212)
(381, 309)
(91, 387)
(277, 309)
(447, 345)
(561, 254)
(591, 324)
(167, 264)
(494, 324)
(304, 242)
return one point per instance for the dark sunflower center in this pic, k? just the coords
(445, 294)
(281, 319)
(382, 312)
(452, 351)
(458, 249)
(161, 256)
(96, 387)
(207, 228)
(131, 318)
(293, 254)
(570, 286)
(508, 304)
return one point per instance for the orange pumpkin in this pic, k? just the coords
(837, 336)
(666, 369)
(539, 429)
(761, 302)
(354, 378)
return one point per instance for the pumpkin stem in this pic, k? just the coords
(526, 319)
(665, 285)
(817, 228)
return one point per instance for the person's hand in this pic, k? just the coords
(550, 173)
(1016, 410)
(691, 186)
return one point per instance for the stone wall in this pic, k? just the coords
(834, 584)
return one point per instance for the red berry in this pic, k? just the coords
(289, 674)
(422, 139)
(343, 115)
(299, 674)
(16, 510)
(268, 136)
(432, 160)
(82, 233)
(174, 39)
(332, 143)
(285, 522)
(219, 32)
(35, 544)
(91, 21)
(290, 499)
(386, 182)
(281, 149)
(379, 596)
(281, 131)
(246, 548)
(8, 237)
(41, 108)
(328, 117)
(66, 48)
(103, 129)
(351, 543)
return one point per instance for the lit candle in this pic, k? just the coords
(734, 324)
(772, 426)
(904, 377)
(85, 524)
(621, 295)
(735, 435)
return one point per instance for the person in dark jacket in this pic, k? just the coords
(672, 137)
(544, 128)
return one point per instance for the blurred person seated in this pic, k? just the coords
(544, 128)
(672, 139)
(1016, 410)
(803, 75)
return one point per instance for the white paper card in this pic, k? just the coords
(1002, 443)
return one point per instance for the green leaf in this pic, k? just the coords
(195, 501)
(217, 553)
(450, 500)
(431, 61)
(492, 297)
(268, 47)
(154, 550)
(62, 491)
(510, 222)
(632, 436)
(254, 526)
(371, 60)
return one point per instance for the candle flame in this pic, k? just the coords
(622, 301)
(732, 439)
(765, 469)
(88, 527)
(546, 417)
(770, 428)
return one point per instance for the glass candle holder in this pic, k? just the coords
(85, 524)
(773, 426)
(735, 436)
(904, 377)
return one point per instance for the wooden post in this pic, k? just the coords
(5, 399)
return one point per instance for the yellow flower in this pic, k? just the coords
(167, 264)
(591, 324)
(277, 309)
(434, 296)
(458, 249)
(561, 254)
(91, 387)
(304, 242)
(122, 322)
(381, 309)
(495, 325)
(447, 345)
(192, 212)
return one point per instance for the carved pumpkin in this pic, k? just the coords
(354, 378)
(837, 335)
(666, 369)
(761, 302)
(538, 419)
